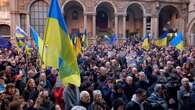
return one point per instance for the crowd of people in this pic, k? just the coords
(113, 77)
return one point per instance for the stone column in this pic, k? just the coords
(94, 25)
(85, 22)
(154, 26)
(124, 26)
(144, 25)
(28, 23)
(116, 24)
(15, 19)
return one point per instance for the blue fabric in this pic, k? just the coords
(175, 41)
(146, 36)
(35, 36)
(2, 88)
(78, 33)
(5, 43)
(164, 34)
(56, 14)
(111, 40)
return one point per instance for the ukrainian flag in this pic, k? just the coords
(78, 46)
(178, 42)
(58, 48)
(37, 40)
(28, 50)
(145, 44)
(162, 42)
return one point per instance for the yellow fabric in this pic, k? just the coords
(180, 46)
(145, 44)
(40, 41)
(161, 42)
(57, 45)
(78, 46)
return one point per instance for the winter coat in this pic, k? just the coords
(71, 96)
(157, 102)
(184, 99)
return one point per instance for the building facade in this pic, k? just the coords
(122, 17)
(5, 18)
(191, 23)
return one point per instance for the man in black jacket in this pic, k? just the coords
(137, 100)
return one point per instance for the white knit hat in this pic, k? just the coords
(78, 108)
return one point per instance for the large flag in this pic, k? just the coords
(58, 48)
(145, 44)
(162, 41)
(178, 42)
(78, 46)
(20, 34)
(37, 40)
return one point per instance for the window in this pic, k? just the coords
(4, 29)
(38, 16)
(22, 21)
(75, 15)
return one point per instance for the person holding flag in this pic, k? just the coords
(23, 44)
(58, 52)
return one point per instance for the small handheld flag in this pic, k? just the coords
(145, 44)
(20, 34)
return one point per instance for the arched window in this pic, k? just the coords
(75, 15)
(38, 15)
(4, 29)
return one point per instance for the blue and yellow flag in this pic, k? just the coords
(145, 44)
(178, 42)
(28, 49)
(37, 40)
(78, 46)
(162, 41)
(58, 48)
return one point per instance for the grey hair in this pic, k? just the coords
(142, 73)
(84, 93)
(184, 79)
(96, 92)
